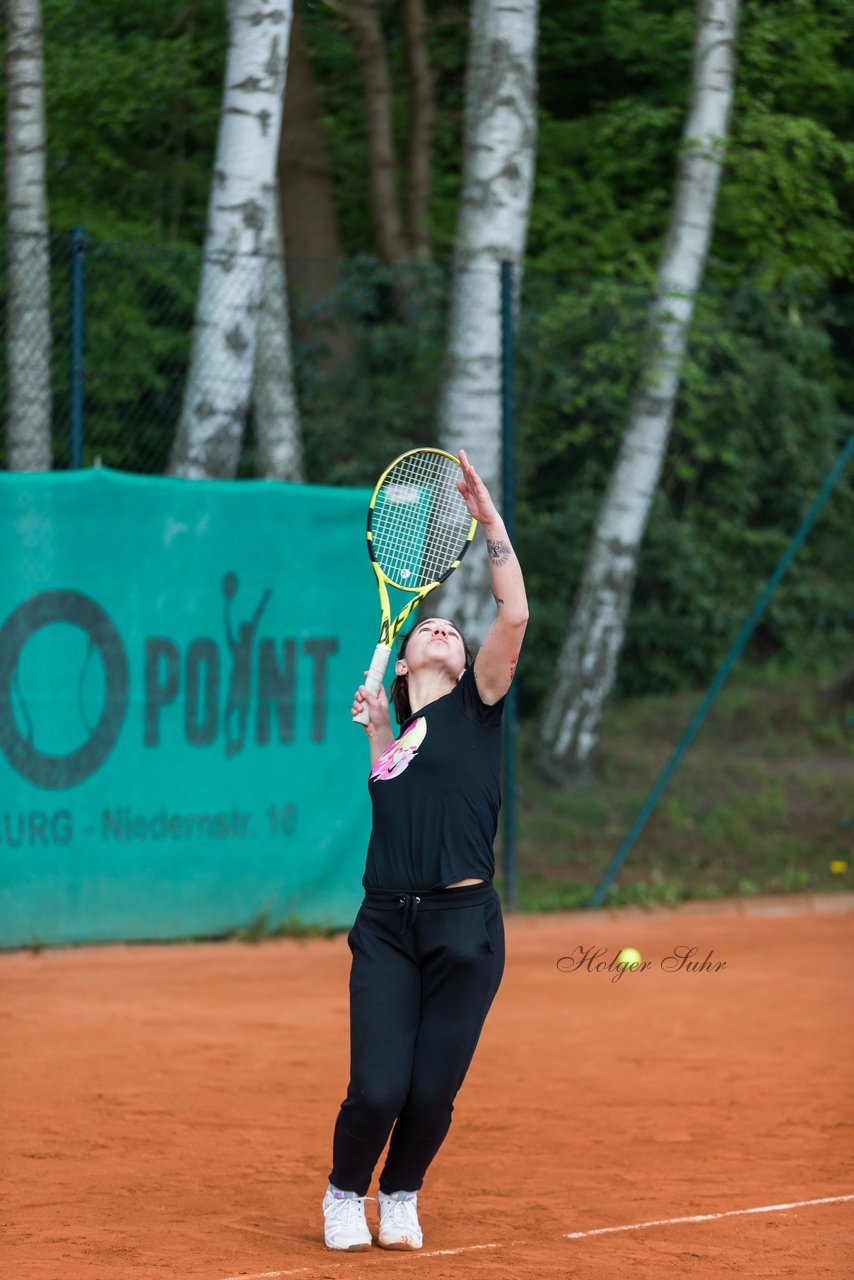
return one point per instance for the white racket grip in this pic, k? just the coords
(374, 678)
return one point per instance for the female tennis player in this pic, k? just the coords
(428, 941)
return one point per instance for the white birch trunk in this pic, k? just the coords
(28, 338)
(499, 150)
(219, 384)
(587, 664)
(275, 411)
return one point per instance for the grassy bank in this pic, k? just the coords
(763, 802)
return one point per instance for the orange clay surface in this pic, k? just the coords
(167, 1111)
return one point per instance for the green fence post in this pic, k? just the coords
(77, 283)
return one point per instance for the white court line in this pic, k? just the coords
(465, 1248)
(582, 1235)
(434, 1253)
(704, 1217)
(271, 1275)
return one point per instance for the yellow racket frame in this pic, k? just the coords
(389, 630)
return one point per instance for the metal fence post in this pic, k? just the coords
(508, 467)
(77, 283)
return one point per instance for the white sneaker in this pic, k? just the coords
(344, 1225)
(399, 1225)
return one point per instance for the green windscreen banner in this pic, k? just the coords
(177, 666)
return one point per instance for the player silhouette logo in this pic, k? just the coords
(240, 646)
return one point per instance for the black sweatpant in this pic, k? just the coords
(425, 969)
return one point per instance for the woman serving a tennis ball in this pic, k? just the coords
(428, 941)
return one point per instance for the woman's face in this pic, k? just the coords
(435, 643)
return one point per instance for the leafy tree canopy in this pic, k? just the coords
(614, 86)
(133, 95)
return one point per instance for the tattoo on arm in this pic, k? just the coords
(499, 602)
(498, 550)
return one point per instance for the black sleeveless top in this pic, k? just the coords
(436, 793)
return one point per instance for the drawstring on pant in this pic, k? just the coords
(409, 902)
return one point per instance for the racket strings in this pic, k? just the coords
(420, 522)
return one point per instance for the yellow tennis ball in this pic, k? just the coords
(629, 955)
(838, 867)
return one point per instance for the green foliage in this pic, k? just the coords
(133, 95)
(140, 303)
(603, 204)
(757, 427)
(614, 91)
(614, 85)
(782, 205)
(735, 819)
(360, 413)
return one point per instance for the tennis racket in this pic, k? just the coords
(419, 529)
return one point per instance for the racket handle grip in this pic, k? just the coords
(374, 679)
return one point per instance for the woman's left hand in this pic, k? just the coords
(476, 495)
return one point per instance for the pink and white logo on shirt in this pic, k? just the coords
(396, 758)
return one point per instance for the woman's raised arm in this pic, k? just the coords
(496, 660)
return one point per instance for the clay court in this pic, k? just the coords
(167, 1110)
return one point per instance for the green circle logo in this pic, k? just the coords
(70, 607)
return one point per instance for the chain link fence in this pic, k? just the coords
(366, 343)
(367, 347)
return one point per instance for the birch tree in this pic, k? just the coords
(587, 664)
(219, 384)
(28, 339)
(499, 147)
(274, 404)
